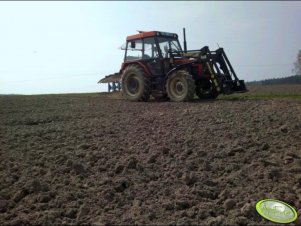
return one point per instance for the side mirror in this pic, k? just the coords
(133, 44)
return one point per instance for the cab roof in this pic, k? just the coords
(146, 34)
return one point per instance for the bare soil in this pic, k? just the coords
(72, 159)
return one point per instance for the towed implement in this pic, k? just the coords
(155, 65)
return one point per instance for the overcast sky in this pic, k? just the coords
(63, 47)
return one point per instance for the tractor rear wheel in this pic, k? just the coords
(136, 86)
(180, 86)
(205, 90)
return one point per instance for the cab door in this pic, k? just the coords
(152, 57)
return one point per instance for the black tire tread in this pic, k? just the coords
(147, 82)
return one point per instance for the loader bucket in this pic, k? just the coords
(239, 86)
(234, 86)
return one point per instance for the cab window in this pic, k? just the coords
(150, 49)
(134, 50)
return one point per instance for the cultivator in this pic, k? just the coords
(155, 64)
(113, 82)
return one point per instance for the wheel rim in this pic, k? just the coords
(132, 84)
(177, 87)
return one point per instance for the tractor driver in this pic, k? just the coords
(166, 55)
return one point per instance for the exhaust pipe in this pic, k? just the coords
(185, 44)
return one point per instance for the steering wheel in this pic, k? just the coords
(145, 56)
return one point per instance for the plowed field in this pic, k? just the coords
(94, 159)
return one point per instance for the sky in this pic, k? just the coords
(67, 47)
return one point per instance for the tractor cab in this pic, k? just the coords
(151, 45)
(154, 51)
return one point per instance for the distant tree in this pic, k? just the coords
(297, 64)
(295, 79)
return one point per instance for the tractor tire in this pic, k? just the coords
(205, 90)
(180, 86)
(136, 86)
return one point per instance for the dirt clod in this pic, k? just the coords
(265, 146)
(248, 210)
(71, 213)
(284, 129)
(229, 204)
(119, 169)
(44, 198)
(132, 163)
(189, 178)
(78, 168)
(182, 204)
(3, 205)
(241, 221)
(20, 195)
(152, 159)
(121, 185)
(215, 221)
(83, 211)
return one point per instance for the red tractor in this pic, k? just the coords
(155, 64)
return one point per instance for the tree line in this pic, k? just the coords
(295, 79)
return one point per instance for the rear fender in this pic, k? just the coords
(144, 67)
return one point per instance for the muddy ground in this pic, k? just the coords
(71, 159)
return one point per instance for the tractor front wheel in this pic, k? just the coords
(136, 86)
(180, 86)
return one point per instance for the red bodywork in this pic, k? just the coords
(197, 67)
